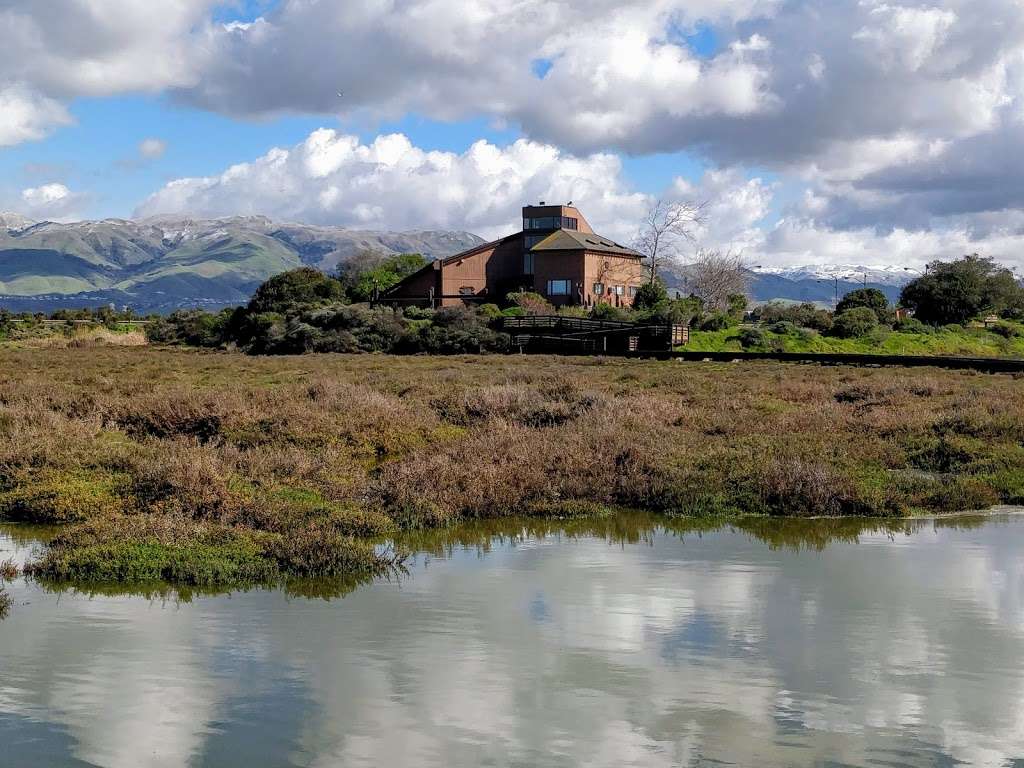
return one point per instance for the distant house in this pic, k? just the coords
(556, 254)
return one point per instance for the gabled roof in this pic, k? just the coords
(439, 263)
(573, 240)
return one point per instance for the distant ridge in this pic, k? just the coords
(165, 263)
(168, 262)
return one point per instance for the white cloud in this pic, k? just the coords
(390, 184)
(49, 201)
(333, 178)
(152, 149)
(57, 50)
(70, 47)
(26, 115)
(897, 115)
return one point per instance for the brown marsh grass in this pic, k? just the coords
(208, 468)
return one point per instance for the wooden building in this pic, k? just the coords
(556, 254)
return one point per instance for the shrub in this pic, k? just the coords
(911, 325)
(751, 337)
(783, 327)
(650, 295)
(603, 311)
(192, 327)
(489, 311)
(717, 321)
(8, 570)
(295, 290)
(872, 298)
(854, 323)
(422, 313)
(806, 315)
(61, 497)
(531, 303)
(1005, 329)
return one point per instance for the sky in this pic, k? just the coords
(862, 132)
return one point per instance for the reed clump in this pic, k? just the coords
(217, 468)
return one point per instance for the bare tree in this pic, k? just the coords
(714, 276)
(664, 229)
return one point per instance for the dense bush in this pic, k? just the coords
(716, 321)
(650, 295)
(854, 323)
(783, 327)
(872, 298)
(751, 337)
(291, 314)
(911, 325)
(1006, 330)
(298, 289)
(805, 315)
(602, 311)
(531, 303)
(192, 327)
(958, 291)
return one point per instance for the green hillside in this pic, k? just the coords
(170, 262)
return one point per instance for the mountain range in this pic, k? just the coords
(170, 262)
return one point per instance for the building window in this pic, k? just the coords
(619, 290)
(551, 222)
(599, 289)
(559, 287)
(467, 290)
(531, 240)
(527, 263)
(632, 290)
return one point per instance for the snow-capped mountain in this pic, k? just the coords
(896, 275)
(14, 222)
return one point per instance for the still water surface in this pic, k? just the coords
(773, 645)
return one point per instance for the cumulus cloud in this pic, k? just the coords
(897, 115)
(49, 201)
(333, 178)
(848, 97)
(26, 115)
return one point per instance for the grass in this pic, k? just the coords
(946, 342)
(208, 469)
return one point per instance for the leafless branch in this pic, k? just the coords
(664, 229)
(714, 276)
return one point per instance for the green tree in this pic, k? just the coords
(872, 298)
(854, 323)
(294, 290)
(368, 271)
(737, 307)
(958, 291)
(650, 296)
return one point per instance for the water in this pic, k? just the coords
(785, 644)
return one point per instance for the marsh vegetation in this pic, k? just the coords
(212, 468)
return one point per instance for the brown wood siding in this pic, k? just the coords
(611, 270)
(417, 286)
(490, 273)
